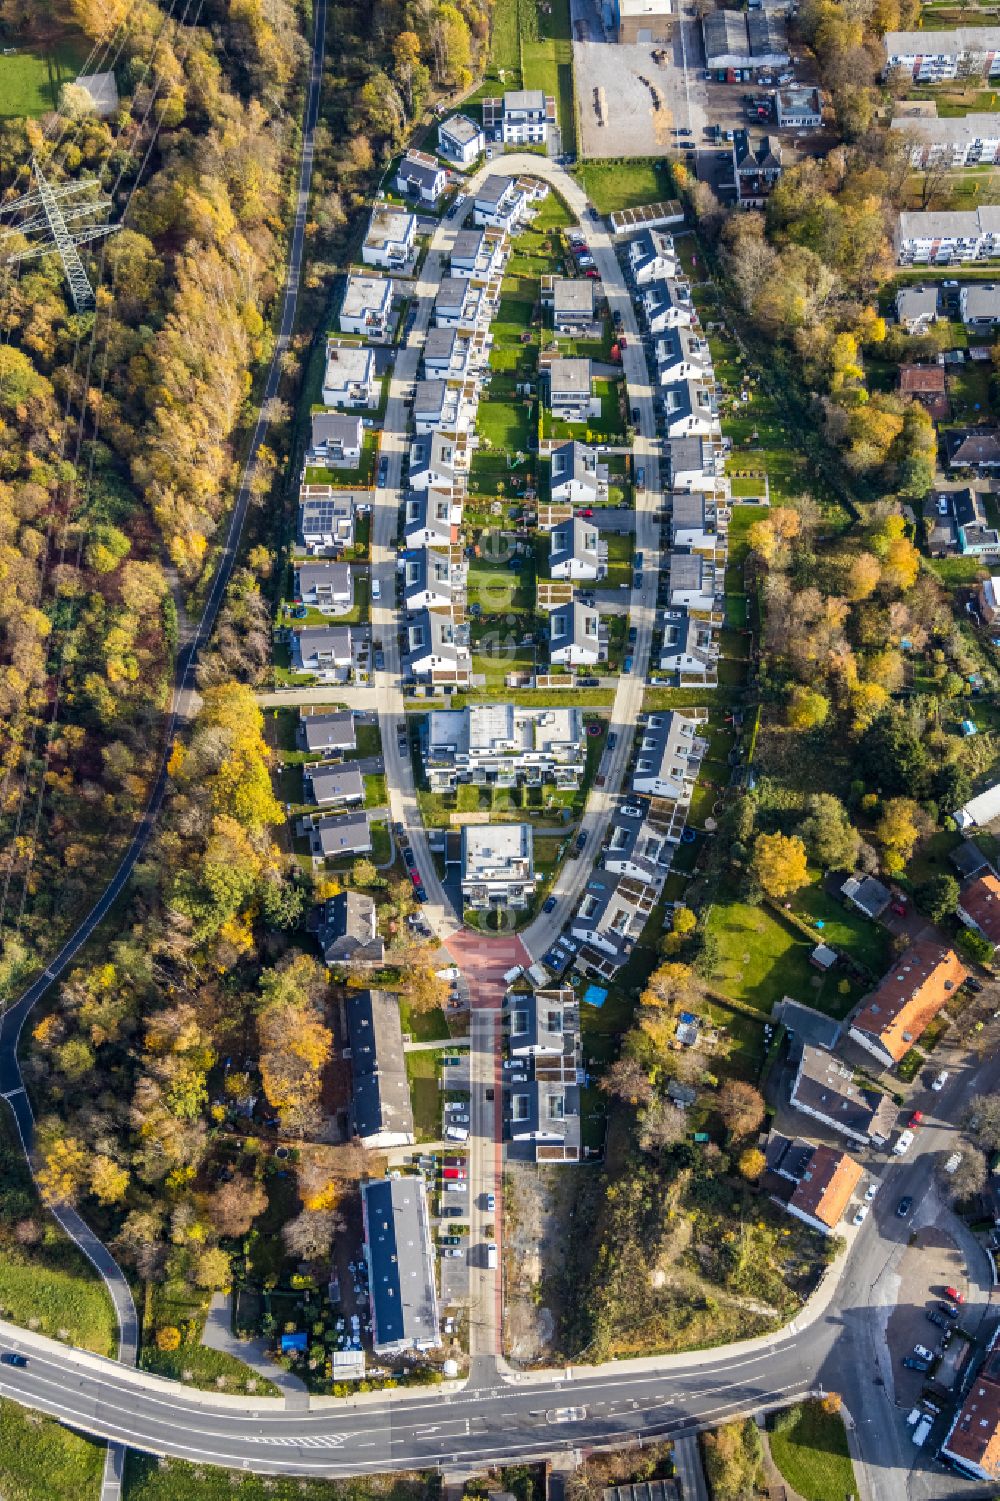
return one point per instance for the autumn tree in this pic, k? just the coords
(310, 1234)
(233, 1206)
(751, 1164)
(968, 1178)
(628, 1079)
(660, 1126)
(828, 833)
(897, 831)
(295, 1041)
(808, 709)
(741, 1107)
(779, 863)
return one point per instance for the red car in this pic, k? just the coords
(585, 514)
(594, 275)
(415, 878)
(454, 1174)
(954, 1294)
(916, 1118)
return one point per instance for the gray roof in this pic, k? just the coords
(428, 512)
(461, 128)
(572, 375)
(537, 1020)
(867, 894)
(574, 623)
(432, 633)
(533, 99)
(982, 300)
(493, 190)
(430, 571)
(614, 907)
(676, 344)
(725, 33)
(575, 540)
(340, 835)
(439, 343)
(468, 243)
(968, 859)
(324, 578)
(684, 635)
(689, 511)
(667, 738)
(424, 174)
(403, 1296)
(826, 1086)
(687, 570)
(332, 784)
(334, 427)
(331, 731)
(687, 399)
(321, 515)
(916, 302)
(574, 461)
(692, 453)
(451, 293)
(378, 1065)
(332, 641)
(347, 930)
(768, 37)
(573, 295)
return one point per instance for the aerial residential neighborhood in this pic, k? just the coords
(500, 752)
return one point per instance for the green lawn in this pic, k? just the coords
(809, 1446)
(761, 959)
(150, 1479)
(844, 929)
(211, 1370)
(613, 185)
(619, 560)
(422, 1073)
(423, 1026)
(548, 65)
(30, 81)
(40, 1460)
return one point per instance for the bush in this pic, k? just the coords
(168, 1338)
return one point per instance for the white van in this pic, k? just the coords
(513, 974)
(491, 1255)
(919, 1434)
(376, 589)
(457, 1133)
(903, 1144)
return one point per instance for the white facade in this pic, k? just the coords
(461, 140)
(389, 242)
(938, 56)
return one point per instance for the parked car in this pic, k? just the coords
(916, 1118)
(913, 1364)
(902, 1144)
(922, 1352)
(938, 1084)
(549, 904)
(581, 839)
(904, 1206)
(451, 1251)
(415, 877)
(871, 1191)
(491, 1203)
(938, 1319)
(953, 1294)
(862, 1214)
(408, 858)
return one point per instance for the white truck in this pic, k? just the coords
(921, 1431)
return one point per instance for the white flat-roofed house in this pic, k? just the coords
(689, 408)
(577, 551)
(696, 464)
(337, 441)
(669, 755)
(652, 257)
(682, 354)
(570, 390)
(447, 354)
(941, 237)
(500, 203)
(501, 745)
(442, 406)
(572, 302)
(459, 304)
(478, 254)
(421, 176)
(522, 117)
(693, 582)
(433, 580)
(576, 476)
(461, 140)
(326, 519)
(498, 869)
(326, 650)
(328, 587)
(695, 524)
(938, 56)
(667, 304)
(391, 238)
(438, 649)
(575, 635)
(367, 306)
(349, 378)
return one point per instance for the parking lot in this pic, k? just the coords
(931, 1263)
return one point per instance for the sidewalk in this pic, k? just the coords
(218, 1335)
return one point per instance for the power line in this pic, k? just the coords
(56, 233)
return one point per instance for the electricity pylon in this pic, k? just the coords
(60, 207)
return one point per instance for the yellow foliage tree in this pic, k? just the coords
(779, 863)
(168, 1338)
(108, 1181)
(63, 1170)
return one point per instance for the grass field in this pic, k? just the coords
(40, 1460)
(809, 1446)
(422, 1072)
(30, 81)
(614, 185)
(761, 959)
(147, 1479)
(211, 1370)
